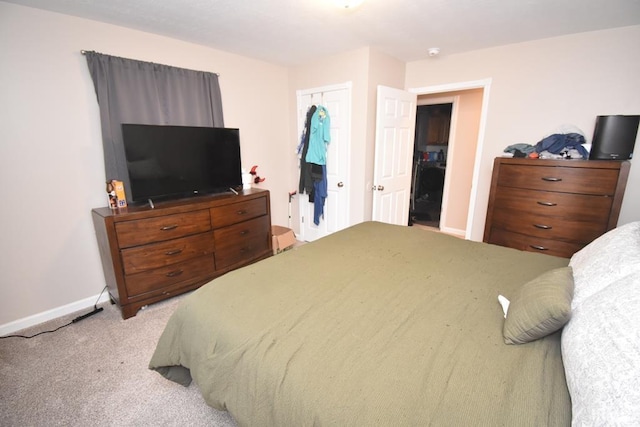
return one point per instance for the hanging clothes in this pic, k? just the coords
(306, 182)
(319, 174)
(320, 136)
(313, 158)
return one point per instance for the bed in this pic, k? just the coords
(389, 325)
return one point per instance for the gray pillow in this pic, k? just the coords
(601, 356)
(610, 257)
(541, 307)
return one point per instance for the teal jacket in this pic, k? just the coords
(319, 136)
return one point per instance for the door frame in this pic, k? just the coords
(485, 85)
(454, 101)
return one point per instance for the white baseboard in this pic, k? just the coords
(453, 231)
(36, 319)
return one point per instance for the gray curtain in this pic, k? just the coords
(131, 91)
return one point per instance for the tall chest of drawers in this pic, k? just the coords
(152, 254)
(553, 206)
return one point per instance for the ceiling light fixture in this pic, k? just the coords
(348, 4)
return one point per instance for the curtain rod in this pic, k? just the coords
(84, 52)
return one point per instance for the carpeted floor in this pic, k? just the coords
(426, 212)
(94, 372)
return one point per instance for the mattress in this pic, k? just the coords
(374, 325)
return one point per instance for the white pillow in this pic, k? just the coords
(611, 256)
(601, 355)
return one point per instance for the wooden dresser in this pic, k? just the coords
(553, 206)
(152, 254)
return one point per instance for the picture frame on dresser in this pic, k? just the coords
(555, 207)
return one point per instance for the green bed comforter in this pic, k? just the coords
(375, 325)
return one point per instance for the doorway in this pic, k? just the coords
(459, 215)
(433, 123)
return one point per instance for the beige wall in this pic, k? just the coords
(52, 166)
(537, 86)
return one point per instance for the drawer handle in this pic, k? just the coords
(547, 204)
(551, 179)
(242, 212)
(173, 252)
(542, 226)
(244, 232)
(538, 247)
(174, 273)
(169, 227)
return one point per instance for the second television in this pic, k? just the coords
(614, 137)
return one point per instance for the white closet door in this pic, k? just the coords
(337, 100)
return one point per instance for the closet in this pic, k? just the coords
(337, 100)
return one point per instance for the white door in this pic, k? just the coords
(395, 128)
(337, 100)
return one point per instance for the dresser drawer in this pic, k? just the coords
(141, 258)
(241, 241)
(237, 212)
(561, 179)
(533, 244)
(548, 227)
(551, 204)
(143, 231)
(181, 274)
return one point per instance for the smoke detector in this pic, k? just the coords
(434, 51)
(348, 4)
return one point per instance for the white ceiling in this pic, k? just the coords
(292, 32)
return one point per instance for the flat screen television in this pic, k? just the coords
(167, 162)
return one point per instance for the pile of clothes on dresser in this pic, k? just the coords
(566, 142)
